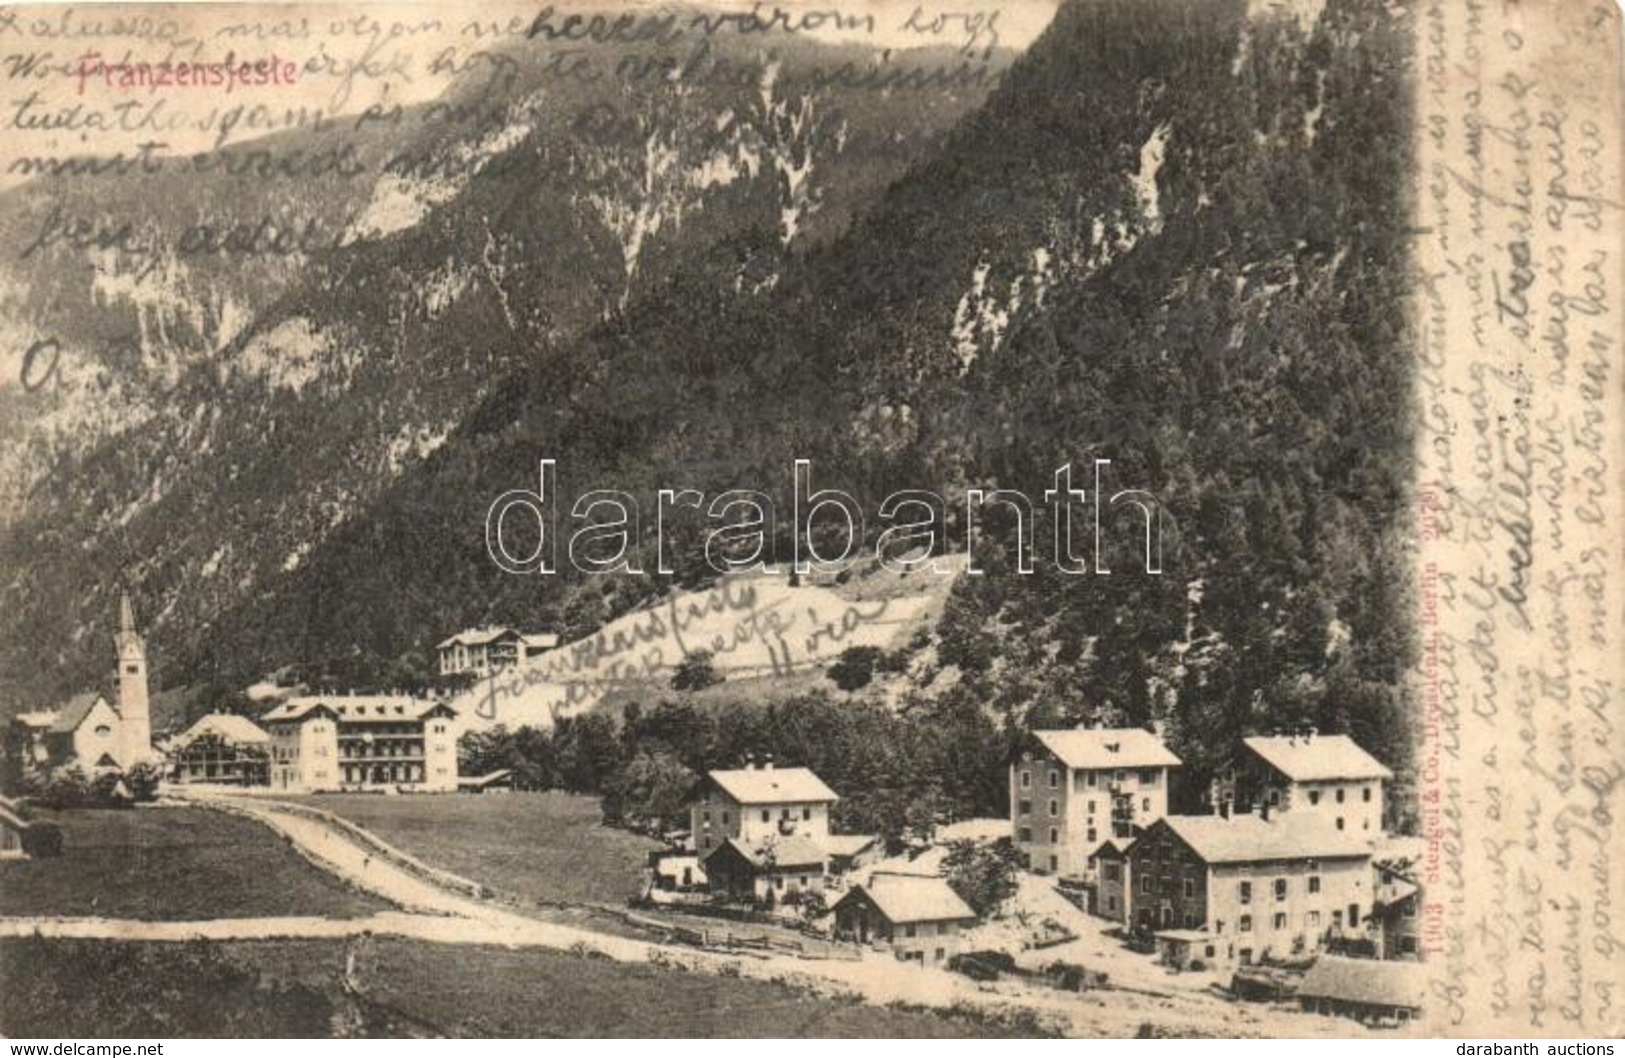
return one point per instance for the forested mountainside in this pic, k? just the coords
(1173, 237)
(217, 413)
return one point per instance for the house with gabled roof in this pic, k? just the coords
(1252, 884)
(220, 748)
(1307, 773)
(1371, 992)
(759, 803)
(1072, 789)
(482, 651)
(362, 742)
(768, 870)
(919, 917)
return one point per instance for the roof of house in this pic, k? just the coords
(1187, 936)
(73, 712)
(540, 640)
(37, 718)
(357, 708)
(1115, 847)
(1317, 758)
(913, 898)
(769, 785)
(1250, 839)
(847, 844)
(474, 637)
(1108, 747)
(1374, 981)
(227, 727)
(793, 851)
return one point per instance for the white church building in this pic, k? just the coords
(88, 729)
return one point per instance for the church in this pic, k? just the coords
(89, 730)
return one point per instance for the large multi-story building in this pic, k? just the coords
(1070, 790)
(1305, 773)
(221, 748)
(1237, 888)
(341, 742)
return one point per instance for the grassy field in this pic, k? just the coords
(290, 988)
(172, 864)
(539, 846)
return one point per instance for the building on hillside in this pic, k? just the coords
(499, 781)
(848, 852)
(1256, 886)
(221, 748)
(765, 871)
(88, 729)
(482, 651)
(1374, 993)
(1307, 773)
(1070, 790)
(920, 918)
(362, 742)
(757, 804)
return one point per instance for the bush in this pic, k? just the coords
(42, 839)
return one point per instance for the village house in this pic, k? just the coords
(1112, 879)
(920, 918)
(765, 871)
(1396, 916)
(1070, 790)
(88, 730)
(1253, 886)
(1374, 993)
(758, 804)
(1306, 773)
(482, 651)
(221, 748)
(362, 742)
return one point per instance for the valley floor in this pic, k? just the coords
(459, 916)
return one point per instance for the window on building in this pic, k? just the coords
(1275, 797)
(1091, 808)
(1407, 945)
(1314, 797)
(1111, 903)
(1244, 892)
(1339, 822)
(766, 815)
(1091, 836)
(1410, 909)
(908, 930)
(1054, 836)
(1024, 834)
(1145, 884)
(1119, 775)
(1054, 778)
(1148, 776)
(1245, 924)
(1026, 779)
(1314, 883)
(1280, 888)
(1311, 920)
(806, 813)
(784, 813)
(1055, 808)
(1145, 804)
(1024, 807)
(1112, 871)
(1280, 920)
(705, 817)
(1054, 863)
(1091, 780)
(1354, 915)
(1190, 888)
(1365, 794)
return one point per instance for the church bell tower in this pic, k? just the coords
(133, 706)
